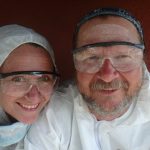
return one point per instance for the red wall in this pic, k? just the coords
(56, 21)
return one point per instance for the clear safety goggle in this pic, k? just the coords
(124, 56)
(17, 84)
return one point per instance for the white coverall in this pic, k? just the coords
(67, 124)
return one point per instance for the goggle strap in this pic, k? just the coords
(107, 44)
(4, 75)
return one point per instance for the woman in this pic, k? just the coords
(27, 76)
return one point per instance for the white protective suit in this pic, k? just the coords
(66, 124)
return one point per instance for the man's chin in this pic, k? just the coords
(109, 108)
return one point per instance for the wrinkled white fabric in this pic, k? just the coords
(12, 36)
(66, 124)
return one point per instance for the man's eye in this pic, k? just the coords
(92, 58)
(18, 79)
(122, 57)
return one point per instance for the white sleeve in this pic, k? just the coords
(42, 135)
(53, 129)
(41, 144)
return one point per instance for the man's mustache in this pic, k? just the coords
(113, 85)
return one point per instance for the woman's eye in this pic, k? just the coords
(45, 78)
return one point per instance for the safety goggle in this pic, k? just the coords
(19, 83)
(124, 56)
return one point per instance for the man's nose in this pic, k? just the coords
(107, 72)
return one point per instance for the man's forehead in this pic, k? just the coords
(98, 31)
(107, 32)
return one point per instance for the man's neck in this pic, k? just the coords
(109, 117)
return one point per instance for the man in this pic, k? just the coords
(109, 109)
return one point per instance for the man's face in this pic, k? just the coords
(26, 107)
(101, 87)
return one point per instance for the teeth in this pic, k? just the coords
(29, 106)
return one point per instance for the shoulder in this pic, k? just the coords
(63, 97)
(61, 105)
(56, 119)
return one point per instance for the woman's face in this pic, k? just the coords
(26, 107)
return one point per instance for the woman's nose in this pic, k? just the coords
(34, 93)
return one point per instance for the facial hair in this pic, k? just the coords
(116, 109)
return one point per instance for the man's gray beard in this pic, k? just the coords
(118, 109)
